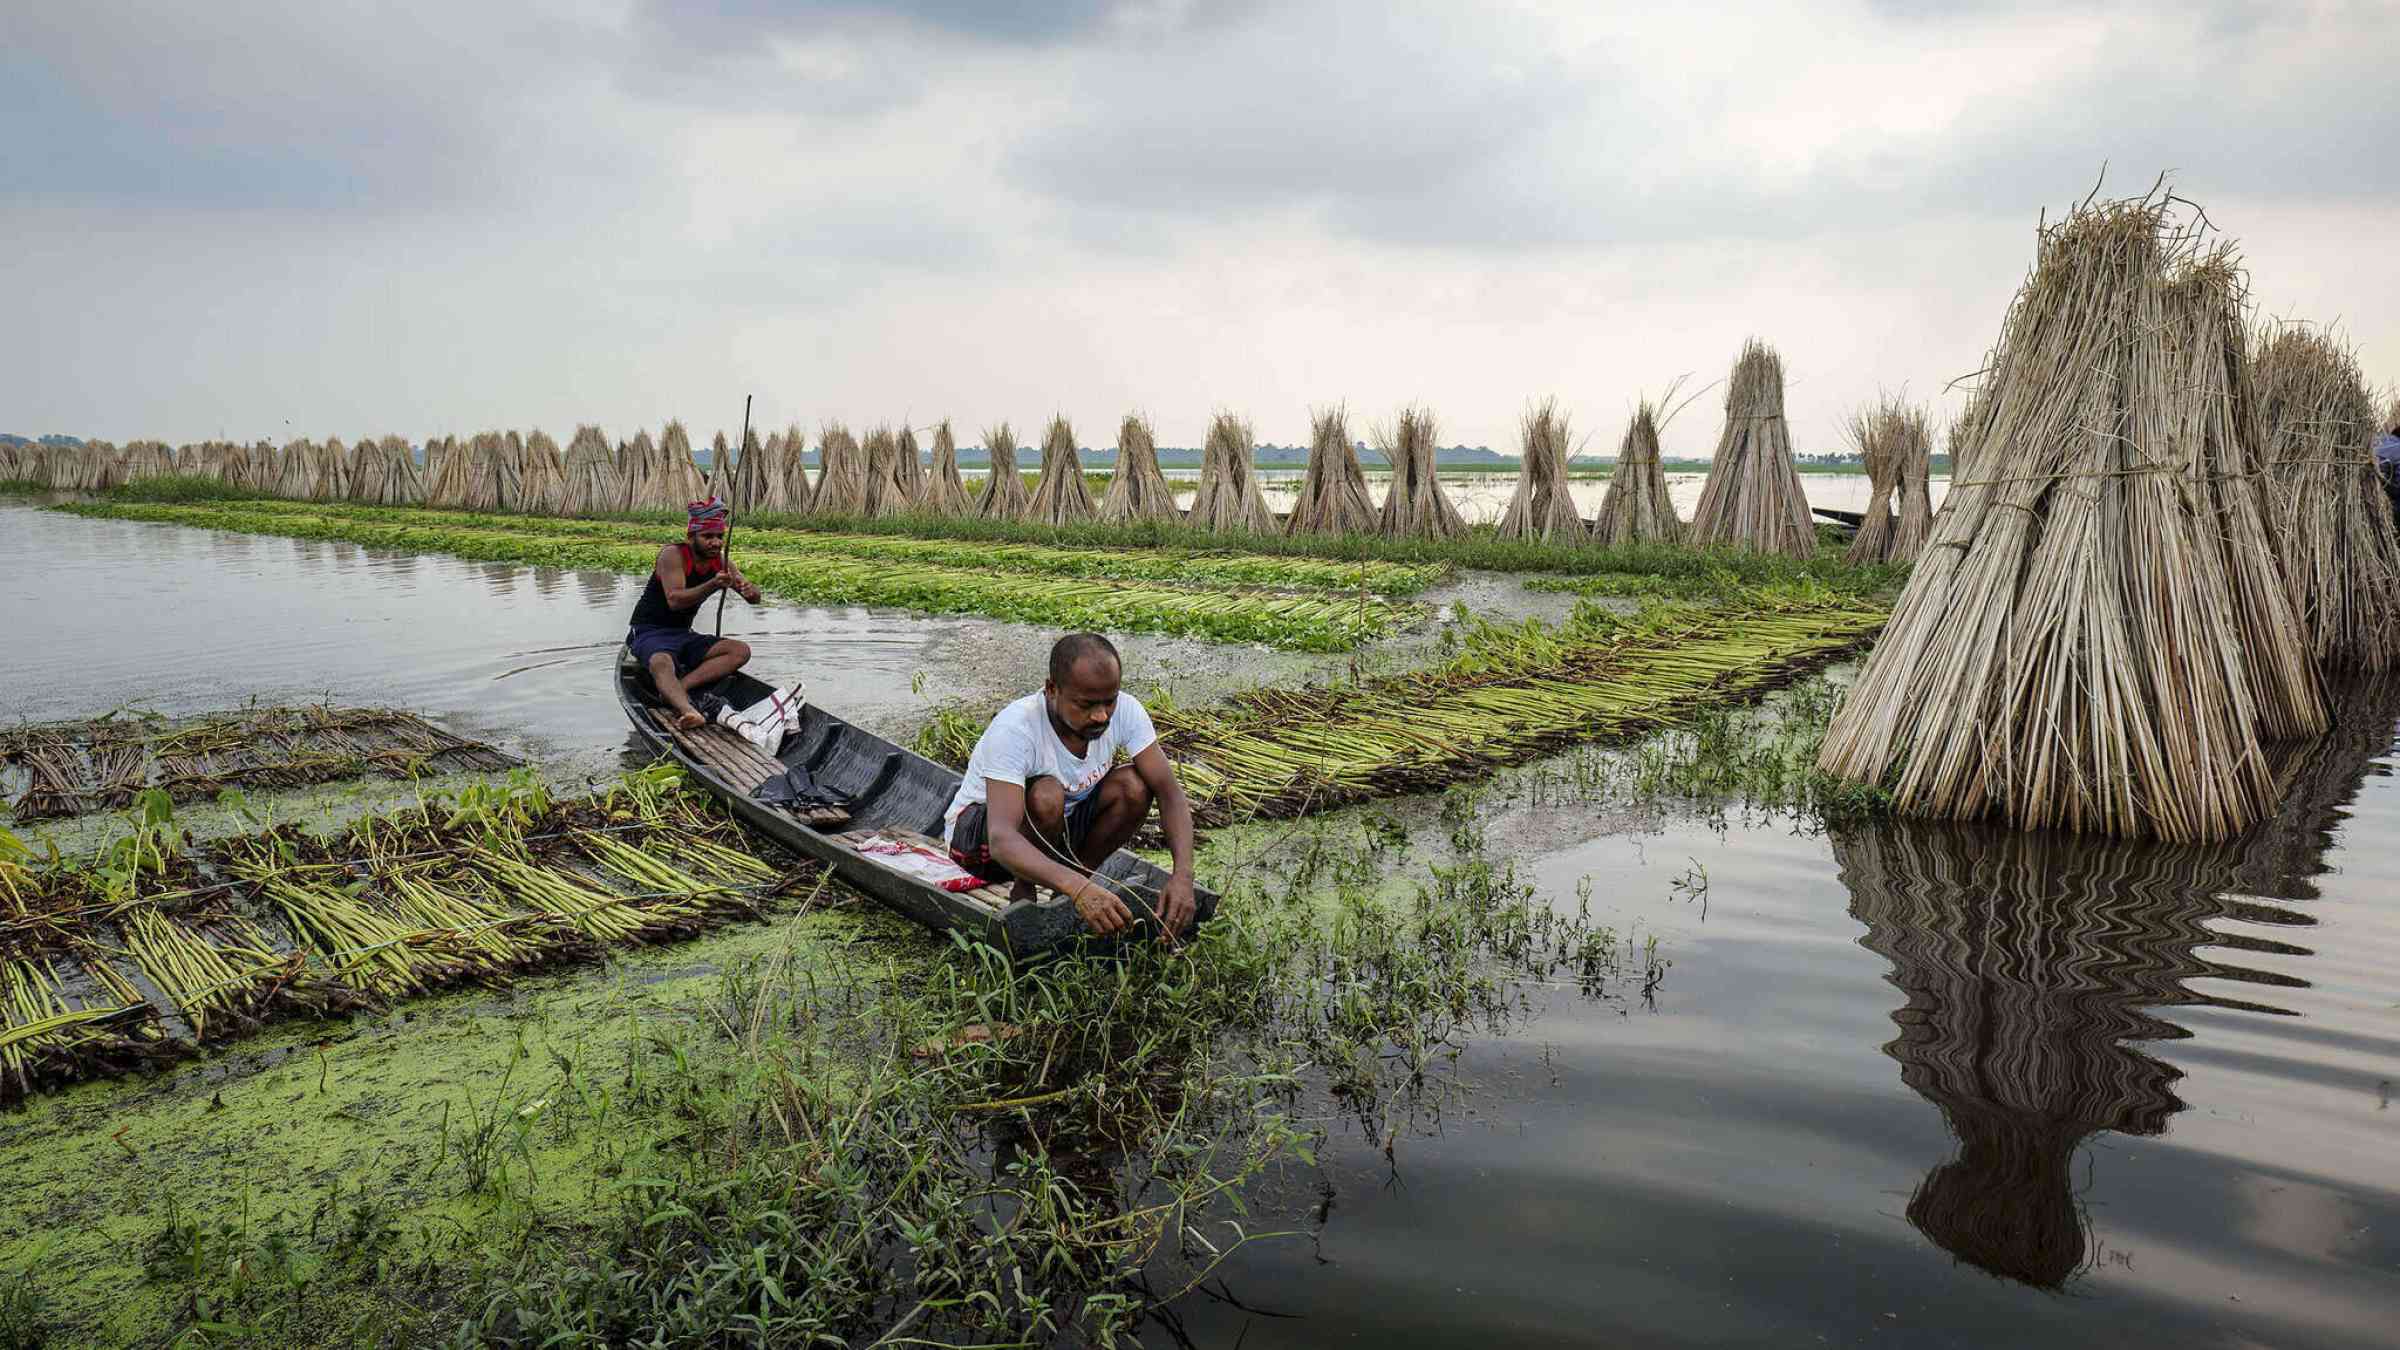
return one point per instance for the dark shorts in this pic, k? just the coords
(687, 647)
(970, 846)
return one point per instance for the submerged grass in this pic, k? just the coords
(802, 1147)
(1325, 622)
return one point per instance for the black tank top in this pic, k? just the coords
(653, 611)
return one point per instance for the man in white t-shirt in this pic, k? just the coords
(1045, 801)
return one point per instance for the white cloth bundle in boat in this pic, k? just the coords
(766, 722)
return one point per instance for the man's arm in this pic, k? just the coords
(671, 578)
(1014, 847)
(1175, 819)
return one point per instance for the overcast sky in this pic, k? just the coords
(263, 220)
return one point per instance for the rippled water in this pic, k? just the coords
(1916, 1085)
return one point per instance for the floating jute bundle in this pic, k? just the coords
(1415, 505)
(1229, 500)
(1753, 498)
(1637, 508)
(1333, 492)
(1004, 496)
(1541, 508)
(1060, 496)
(2331, 520)
(2097, 638)
(1138, 490)
(945, 490)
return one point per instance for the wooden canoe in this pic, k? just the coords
(894, 794)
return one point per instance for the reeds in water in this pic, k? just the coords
(1004, 496)
(2331, 520)
(841, 473)
(1333, 491)
(945, 491)
(1229, 500)
(1138, 490)
(2096, 638)
(1753, 496)
(1637, 508)
(1060, 495)
(1541, 508)
(1415, 504)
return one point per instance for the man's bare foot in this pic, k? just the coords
(689, 720)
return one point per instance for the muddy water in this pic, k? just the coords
(1910, 1086)
(1915, 1085)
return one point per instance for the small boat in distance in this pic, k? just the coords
(896, 798)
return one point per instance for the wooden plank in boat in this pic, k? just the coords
(741, 764)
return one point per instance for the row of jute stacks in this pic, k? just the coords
(2160, 527)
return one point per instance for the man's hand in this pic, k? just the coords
(732, 579)
(1177, 906)
(1100, 908)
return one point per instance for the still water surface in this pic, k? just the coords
(1912, 1085)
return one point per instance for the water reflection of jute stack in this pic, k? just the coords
(1637, 508)
(1333, 491)
(1229, 500)
(2098, 637)
(1003, 496)
(1415, 504)
(1541, 508)
(1753, 496)
(945, 490)
(1138, 490)
(2032, 960)
(2331, 518)
(1060, 496)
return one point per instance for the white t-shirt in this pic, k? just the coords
(1020, 744)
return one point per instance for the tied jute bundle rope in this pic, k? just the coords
(2099, 638)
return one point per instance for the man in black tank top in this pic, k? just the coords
(678, 659)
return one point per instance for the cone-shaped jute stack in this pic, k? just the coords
(2330, 518)
(637, 465)
(910, 465)
(541, 477)
(1753, 496)
(1415, 504)
(1333, 492)
(148, 459)
(1004, 496)
(1138, 490)
(1914, 465)
(1875, 435)
(786, 461)
(887, 491)
(1060, 496)
(677, 481)
(1229, 500)
(2097, 637)
(841, 473)
(1540, 508)
(945, 492)
(1636, 509)
(359, 480)
(594, 487)
(758, 480)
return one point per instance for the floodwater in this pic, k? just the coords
(1910, 1085)
(1483, 497)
